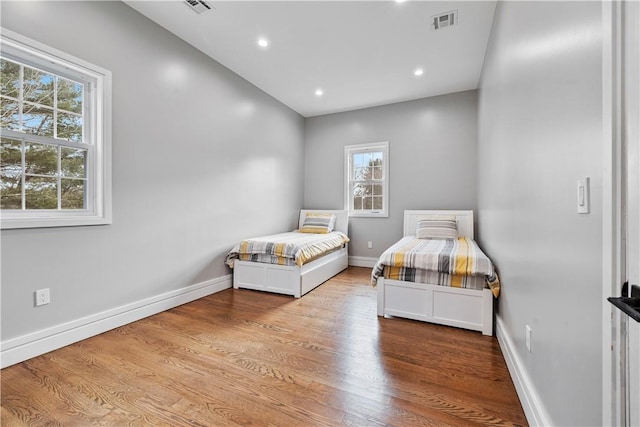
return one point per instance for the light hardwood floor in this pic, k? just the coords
(242, 357)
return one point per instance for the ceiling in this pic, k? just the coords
(359, 53)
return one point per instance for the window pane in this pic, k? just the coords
(359, 189)
(69, 127)
(377, 203)
(37, 120)
(41, 159)
(377, 172)
(358, 161)
(38, 87)
(11, 194)
(357, 203)
(376, 190)
(10, 174)
(367, 205)
(367, 159)
(10, 158)
(73, 162)
(367, 173)
(72, 193)
(70, 95)
(10, 115)
(41, 193)
(359, 174)
(9, 78)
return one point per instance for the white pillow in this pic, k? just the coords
(441, 227)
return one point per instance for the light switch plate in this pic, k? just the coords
(583, 195)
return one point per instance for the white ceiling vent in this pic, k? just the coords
(446, 19)
(198, 6)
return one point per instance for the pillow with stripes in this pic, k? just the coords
(442, 227)
(319, 223)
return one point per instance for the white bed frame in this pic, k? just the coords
(463, 308)
(294, 280)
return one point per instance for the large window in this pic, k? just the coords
(55, 137)
(367, 179)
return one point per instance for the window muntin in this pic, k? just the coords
(366, 171)
(55, 137)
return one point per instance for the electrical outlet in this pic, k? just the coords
(42, 297)
(528, 337)
(369, 244)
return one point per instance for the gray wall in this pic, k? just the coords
(185, 187)
(540, 130)
(428, 138)
(201, 158)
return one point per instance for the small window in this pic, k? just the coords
(367, 179)
(55, 137)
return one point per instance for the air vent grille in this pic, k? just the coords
(198, 6)
(446, 19)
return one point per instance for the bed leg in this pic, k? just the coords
(380, 287)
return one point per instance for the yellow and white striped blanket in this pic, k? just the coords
(461, 257)
(291, 248)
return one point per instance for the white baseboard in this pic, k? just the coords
(362, 261)
(533, 407)
(25, 347)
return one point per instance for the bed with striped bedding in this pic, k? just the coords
(457, 262)
(291, 248)
(437, 273)
(293, 263)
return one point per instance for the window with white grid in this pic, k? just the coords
(55, 137)
(367, 179)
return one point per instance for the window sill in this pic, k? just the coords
(10, 223)
(368, 215)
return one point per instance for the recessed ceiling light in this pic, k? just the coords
(263, 42)
(400, 1)
(319, 92)
(418, 72)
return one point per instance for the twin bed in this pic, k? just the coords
(293, 263)
(436, 273)
(461, 282)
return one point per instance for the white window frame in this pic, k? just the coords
(349, 151)
(97, 134)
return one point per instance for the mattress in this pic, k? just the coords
(417, 275)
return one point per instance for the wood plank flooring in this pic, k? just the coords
(242, 357)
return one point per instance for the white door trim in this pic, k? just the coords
(612, 231)
(631, 203)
